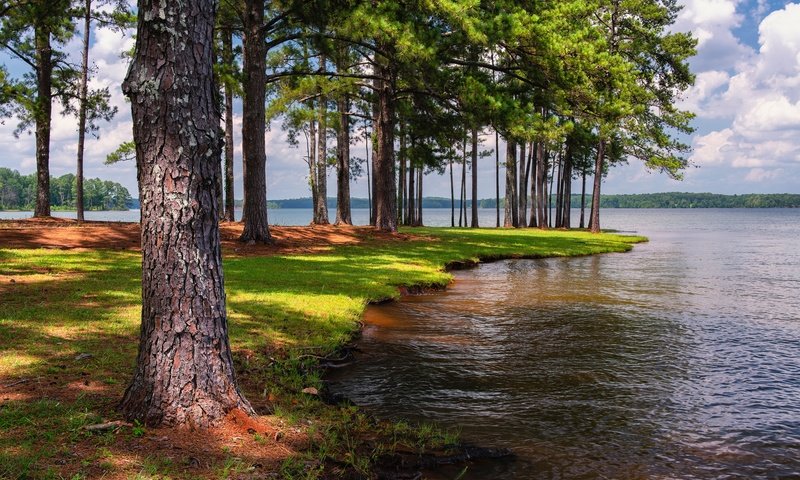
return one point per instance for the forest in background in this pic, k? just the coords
(643, 200)
(18, 192)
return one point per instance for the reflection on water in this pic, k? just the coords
(680, 359)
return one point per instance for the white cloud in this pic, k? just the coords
(762, 103)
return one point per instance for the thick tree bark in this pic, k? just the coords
(383, 176)
(184, 373)
(42, 117)
(343, 212)
(511, 185)
(321, 217)
(474, 223)
(594, 220)
(84, 92)
(227, 57)
(254, 124)
(412, 192)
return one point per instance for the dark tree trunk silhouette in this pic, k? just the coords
(452, 196)
(184, 372)
(522, 198)
(227, 57)
(497, 175)
(474, 223)
(402, 188)
(42, 116)
(254, 124)
(321, 213)
(385, 195)
(84, 92)
(582, 224)
(343, 212)
(511, 185)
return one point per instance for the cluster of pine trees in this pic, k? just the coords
(18, 192)
(571, 87)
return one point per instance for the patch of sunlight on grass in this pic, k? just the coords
(12, 361)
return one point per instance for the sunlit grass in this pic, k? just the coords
(56, 305)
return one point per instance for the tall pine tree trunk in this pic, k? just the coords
(84, 92)
(452, 195)
(474, 223)
(383, 176)
(227, 58)
(42, 118)
(522, 199)
(321, 217)
(420, 176)
(462, 210)
(497, 175)
(343, 212)
(532, 222)
(511, 182)
(402, 189)
(594, 220)
(583, 198)
(411, 210)
(254, 124)
(184, 372)
(541, 185)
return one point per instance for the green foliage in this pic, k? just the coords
(18, 192)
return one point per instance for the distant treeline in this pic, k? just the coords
(644, 200)
(18, 192)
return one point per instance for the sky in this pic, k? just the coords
(746, 98)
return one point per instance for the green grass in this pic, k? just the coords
(64, 303)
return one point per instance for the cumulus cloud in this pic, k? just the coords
(762, 103)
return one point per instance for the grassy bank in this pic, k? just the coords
(69, 332)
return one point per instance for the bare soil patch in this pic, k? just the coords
(68, 234)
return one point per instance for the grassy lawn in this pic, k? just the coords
(283, 310)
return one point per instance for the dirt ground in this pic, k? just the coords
(69, 234)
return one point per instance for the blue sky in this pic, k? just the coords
(747, 101)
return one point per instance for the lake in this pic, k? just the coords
(680, 359)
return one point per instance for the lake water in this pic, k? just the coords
(680, 359)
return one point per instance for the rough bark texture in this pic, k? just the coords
(184, 373)
(474, 223)
(254, 124)
(227, 57)
(385, 196)
(511, 185)
(43, 116)
(343, 212)
(84, 91)
(594, 218)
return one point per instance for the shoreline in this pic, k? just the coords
(286, 322)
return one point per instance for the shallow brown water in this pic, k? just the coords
(680, 359)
